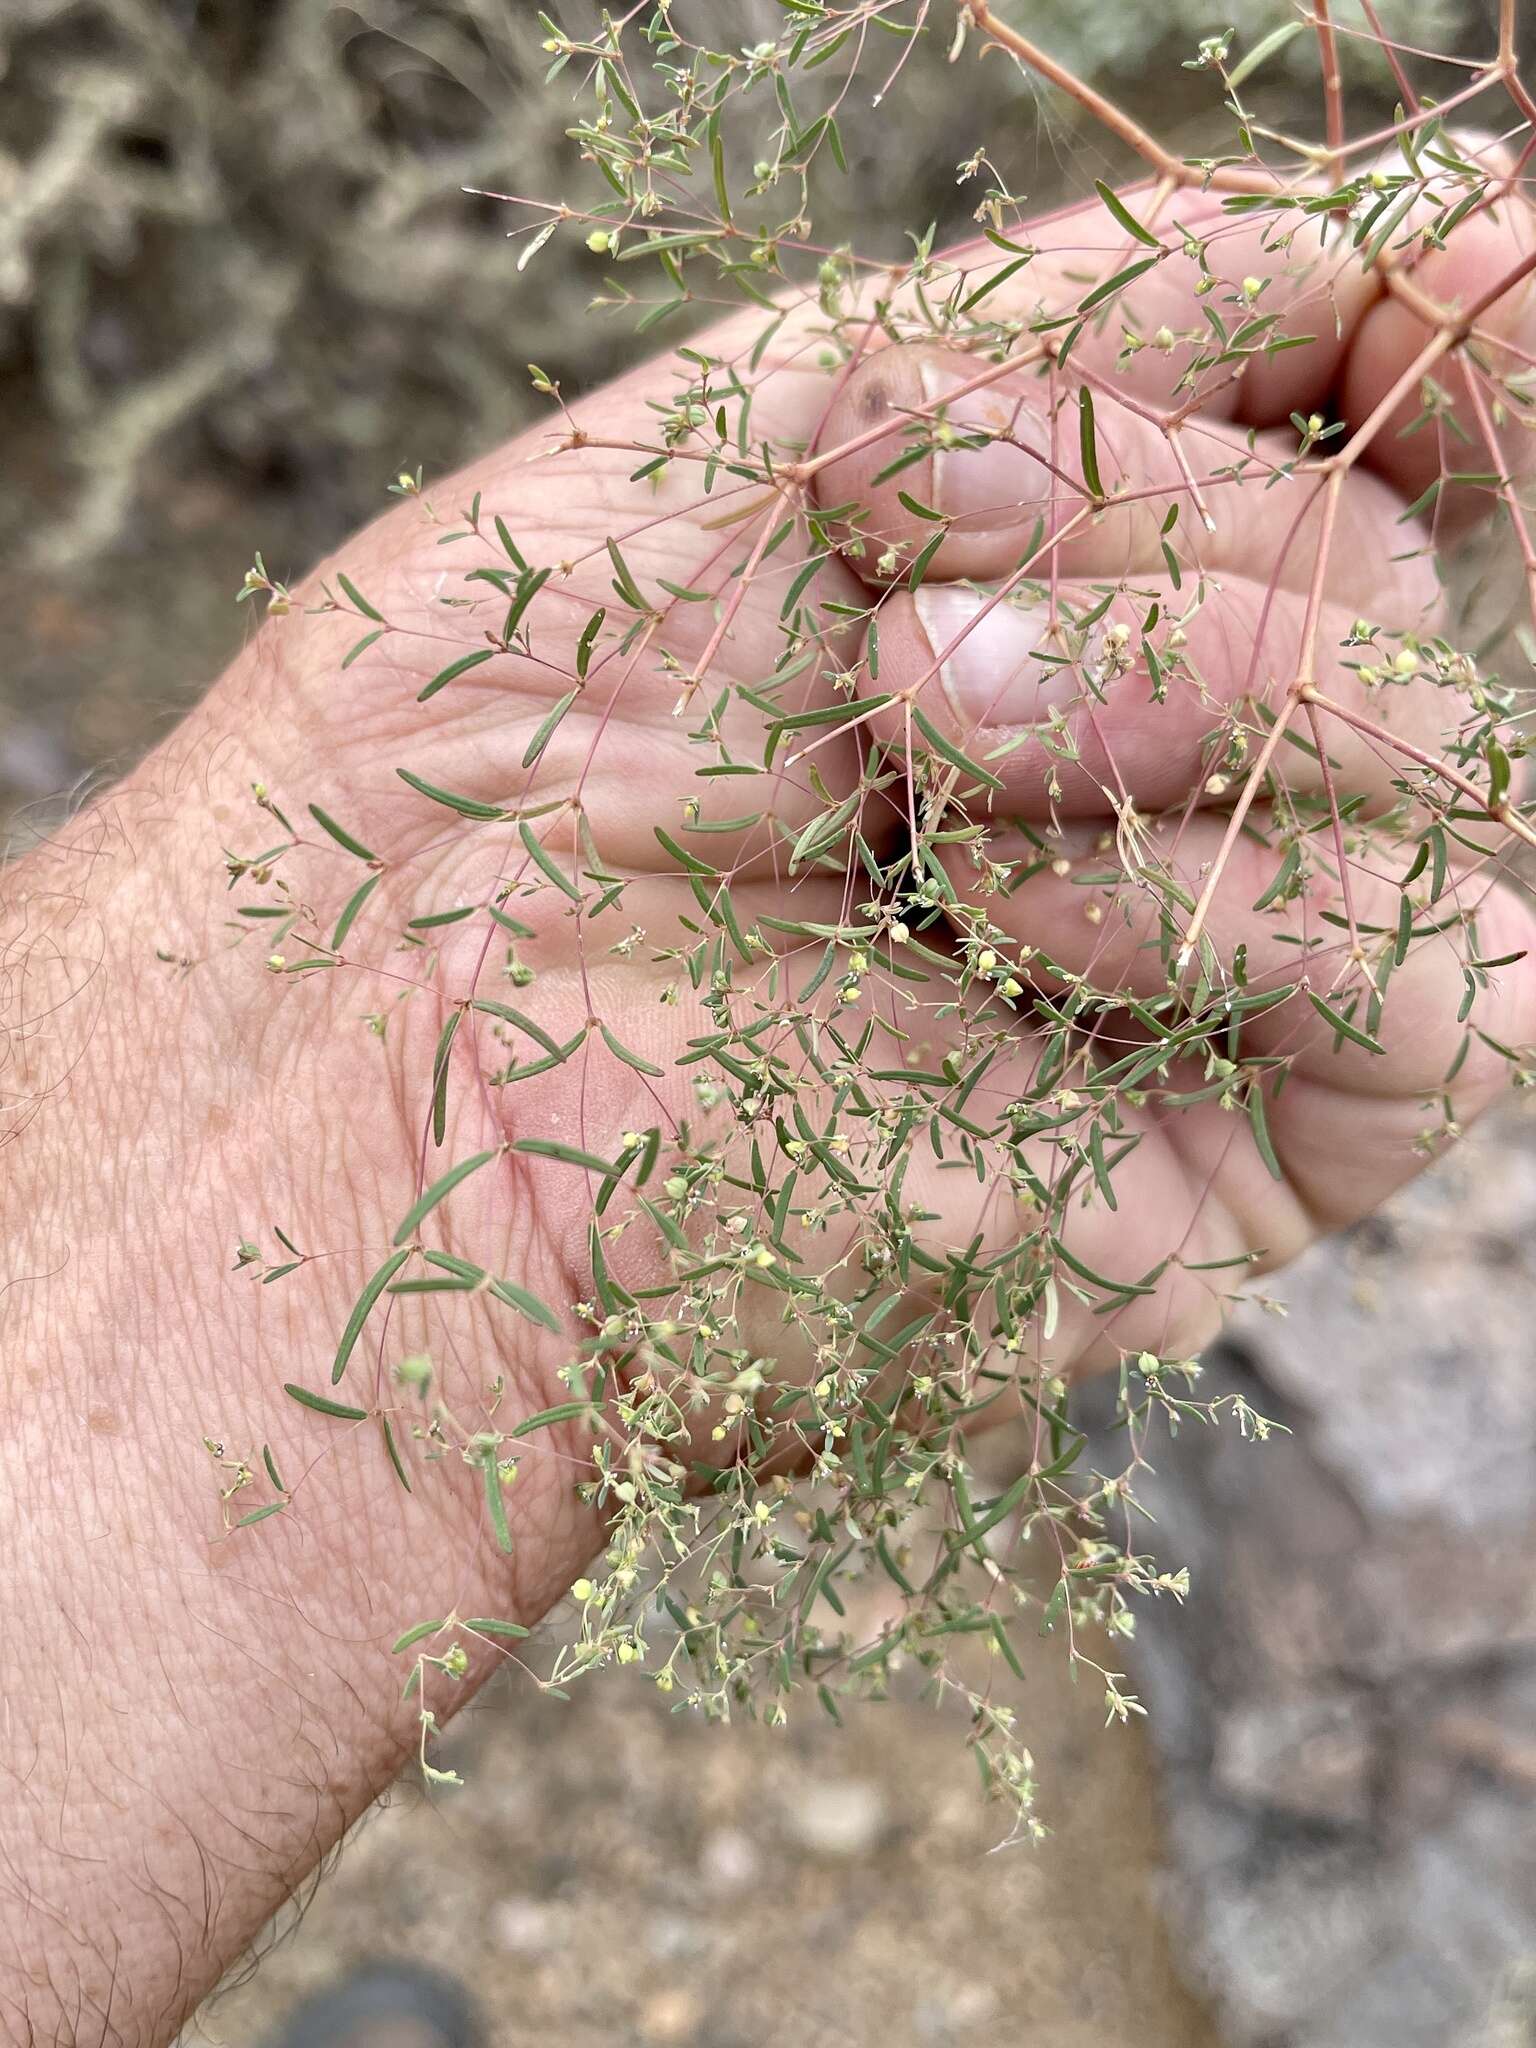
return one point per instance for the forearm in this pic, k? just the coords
(192, 1717)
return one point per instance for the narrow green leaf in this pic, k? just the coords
(510, 547)
(921, 560)
(528, 588)
(1054, 1608)
(466, 806)
(342, 837)
(1089, 443)
(1259, 1119)
(717, 168)
(394, 1453)
(435, 919)
(551, 719)
(624, 582)
(497, 1506)
(558, 1057)
(359, 600)
(1004, 1642)
(360, 1312)
(1124, 216)
(563, 1411)
(1498, 771)
(415, 1635)
(989, 285)
(1262, 50)
(322, 1406)
(440, 1076)
(622, 1052)
(503, 1290)
(803, 579)
(273, 1507)
(1086, 1272)
(1342, 1025)
(354, 904)
(999, 1511)
(460, 667)
(1100, 1166)
(546, 862)
(567, 1155)
(1404, 930)
(1288, 868)
(921, 511)
(362, 646)
(1117, 283)
(904, 460)
(1441, 856)
(688, 861)
(950, 751)
(508, 1015)
(892, 1569)
(589, 634)
(439, 1188)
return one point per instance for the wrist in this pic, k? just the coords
(210, 1709)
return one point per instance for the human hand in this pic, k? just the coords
(1100, 776)
(226, 1097)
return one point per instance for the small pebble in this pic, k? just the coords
(670, 2016)
(524, 1927)
(837, 1817)
(729, 1860)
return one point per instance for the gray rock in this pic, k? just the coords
(1346, 1706)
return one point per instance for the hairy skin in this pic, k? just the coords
(192, 1719)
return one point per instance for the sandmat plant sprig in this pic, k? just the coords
(830, 1059)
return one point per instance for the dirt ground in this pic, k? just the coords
(613, 1870)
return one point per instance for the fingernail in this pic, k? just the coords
(1000, 484)
(988, 671)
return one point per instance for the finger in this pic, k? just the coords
(1151, 700)
(1347, 1124)
(1472, 426)
(1309, 280)
(1003, 467)
(1346, 333)
(1092, 916)
(1318, 285)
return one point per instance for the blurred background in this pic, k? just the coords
(240, 288)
